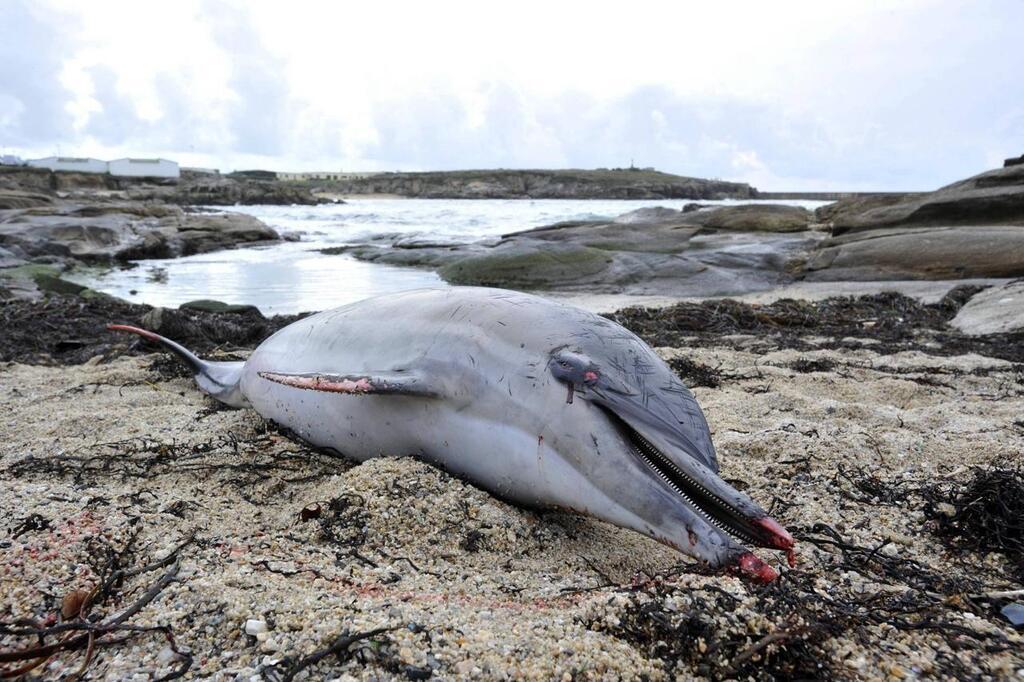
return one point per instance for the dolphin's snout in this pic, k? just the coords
(676, 491)
(670, 437)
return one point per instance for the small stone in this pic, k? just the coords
(1014, 613)
(255, 626)
(166, 656)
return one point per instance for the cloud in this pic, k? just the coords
(800, 95)
(32, 97)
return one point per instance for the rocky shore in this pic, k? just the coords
(971, 229)
(51, 222)
(212, 543)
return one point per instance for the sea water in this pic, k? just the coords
(294, 276)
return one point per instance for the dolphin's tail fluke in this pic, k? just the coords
(219, 380)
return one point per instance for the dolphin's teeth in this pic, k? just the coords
(654, 459)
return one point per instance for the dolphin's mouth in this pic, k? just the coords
(760, 531)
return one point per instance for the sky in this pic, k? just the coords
(786, 95)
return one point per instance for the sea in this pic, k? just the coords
(294, 276)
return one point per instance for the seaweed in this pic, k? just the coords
(90, 620)
(288, 667)
(981, 513)
(886, 322)
(146, 458)
(695, 374)
(70, 329)
(789, 630)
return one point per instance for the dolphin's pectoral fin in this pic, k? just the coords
(385, 383)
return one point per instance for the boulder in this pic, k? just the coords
(757, 218)
(530, 266)
(996, 310)
(909, 253)
(211, 306)
(1015, 161)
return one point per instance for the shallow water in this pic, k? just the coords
(293, 276)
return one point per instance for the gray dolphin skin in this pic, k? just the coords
(536, 401)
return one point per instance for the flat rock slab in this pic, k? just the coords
(920, 253)
(997, 310)
(992, 198)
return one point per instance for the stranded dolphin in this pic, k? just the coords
(536, 401)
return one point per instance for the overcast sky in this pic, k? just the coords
(907, 94)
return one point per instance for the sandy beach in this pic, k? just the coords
(119, 462)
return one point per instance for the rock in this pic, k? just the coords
(1014, 613)
(124, 231)
(649, 214)
(1015, 161)
(671, 236)
(211, 306)
(758, 218)
(255, 626)
(33, 281)
(200, 233)
(12, 199)
(9, 259)
(521, 265)
(245, 323)
(996, 310)
(909, 253)
(992, 198)
(649, 251)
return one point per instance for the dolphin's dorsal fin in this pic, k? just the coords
(378, 383)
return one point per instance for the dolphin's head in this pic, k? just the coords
(645, 444)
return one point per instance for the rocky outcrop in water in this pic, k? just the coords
(123, 231)
(649, 251)
(540, 184)
(37, 244)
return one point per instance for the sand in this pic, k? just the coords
(475, 588)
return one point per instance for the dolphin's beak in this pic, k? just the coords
(667, 432)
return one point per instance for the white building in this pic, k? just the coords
(147, 168)
(70, 163)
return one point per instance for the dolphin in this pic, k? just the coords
(536, 401)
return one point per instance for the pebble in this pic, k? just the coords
(254, 626)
